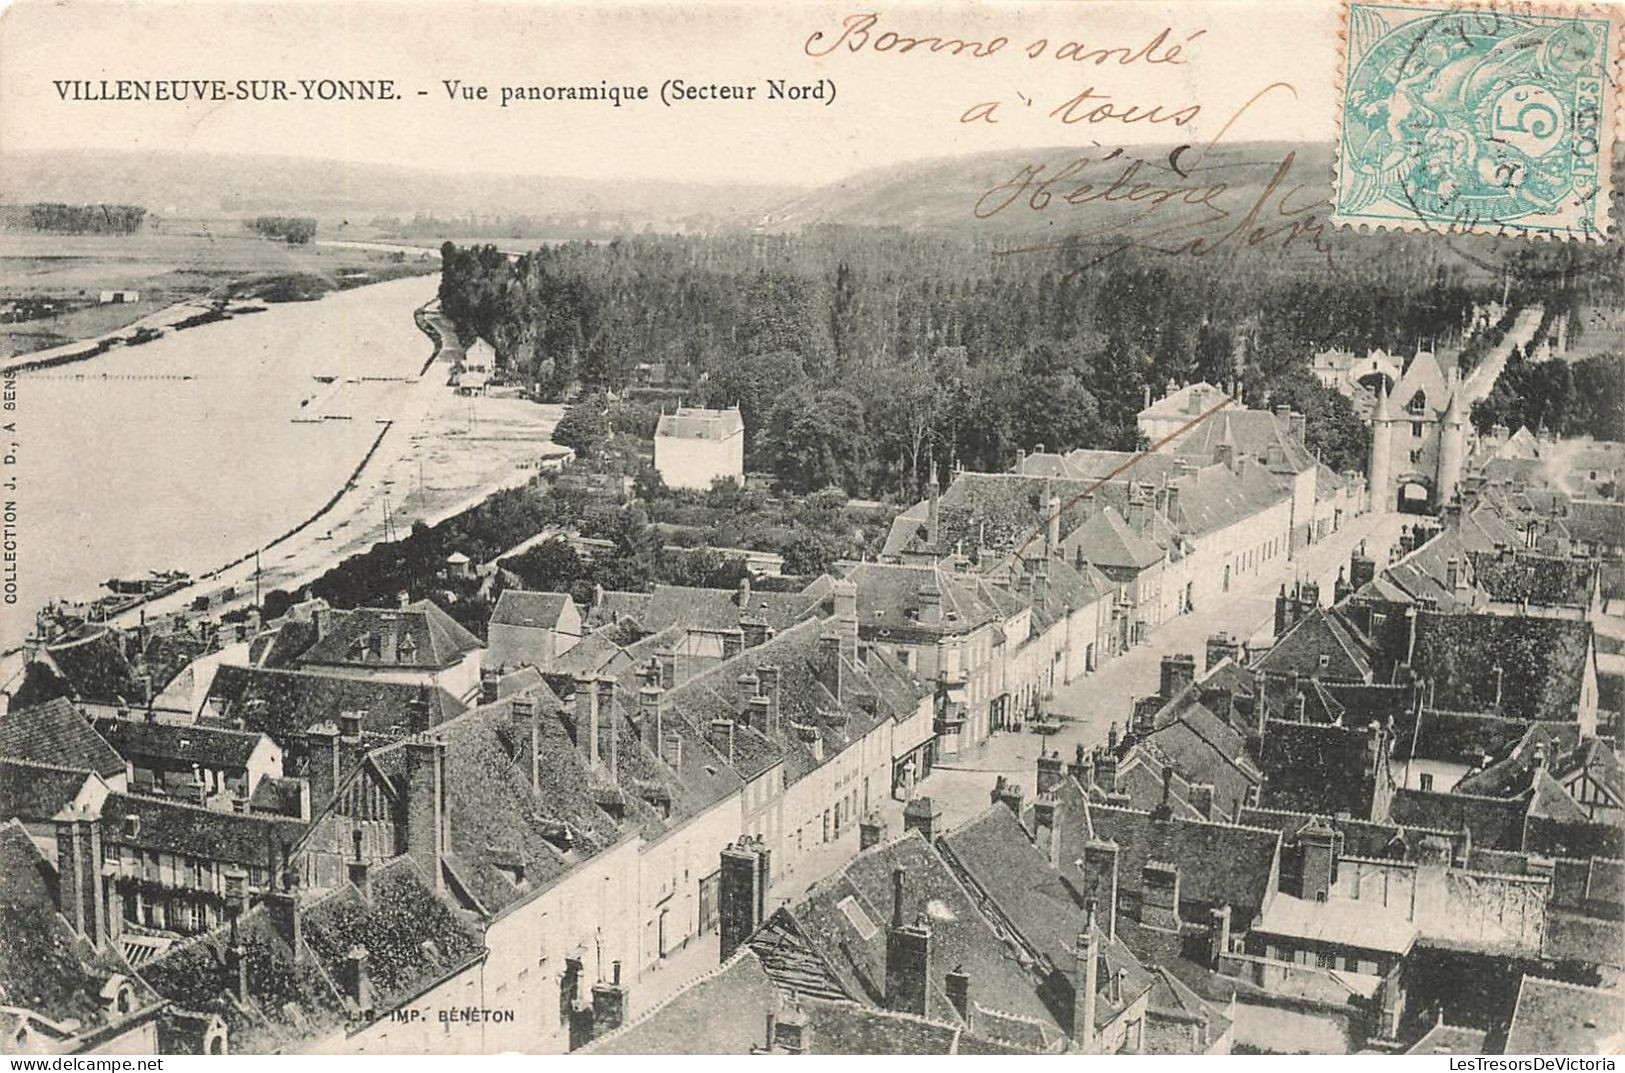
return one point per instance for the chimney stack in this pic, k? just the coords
(908, 956)
(1099, 867)
(586, 701)
(742, 892)
(426, 805)
(80, 894)
(957, 985)
(609, 1002)
(829, 663)
(770, 677)
(357, 980)
(360, 871)
(1086, 982)
(923, 815)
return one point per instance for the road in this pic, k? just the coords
(1094, 702)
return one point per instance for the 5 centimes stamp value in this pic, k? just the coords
(1464, 118)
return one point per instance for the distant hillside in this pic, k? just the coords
(942, 193)
(210, 185)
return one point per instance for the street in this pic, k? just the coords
(1092, 703)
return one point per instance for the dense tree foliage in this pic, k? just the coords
(294, 230)
(84, 219)
(870, 359)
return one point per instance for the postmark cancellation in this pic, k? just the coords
(1461, 118)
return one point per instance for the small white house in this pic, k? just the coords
(695, 446)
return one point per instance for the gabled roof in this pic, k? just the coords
(57, 733)
(1319, 633)
(1324, 768)
(1218, 863)
(153, 824)
(723, 1012)
(210, 747)
(291, 1001)
(419, 635)
(1456, 737)
(722, 609)
(37, 792)
(1542, 580)
(93, 668)
(1109, 542)
(842, 923)
(996, 856)
(283, 704)
(1494, 823)
(889, 600)
(45, 967)
(540, 610)
(413, 938)
(1542, 660)
(1554, 1017)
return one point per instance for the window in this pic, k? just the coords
(1416, 429)
(1427, 781)
(1326, 961)
(1416, 456)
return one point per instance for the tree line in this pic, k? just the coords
(872, 359)
(294, 230)
(79, 219)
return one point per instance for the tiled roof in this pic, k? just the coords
(1253, 432)
(57, 733)
(1493, 822)
(720, 609)
(37, 792)
(1313, 767)
(1456, 737)
(856, 958)
(1320, 633)
(889, 600)
(698, 423)
(282, 704)
(1108, 541)
(517, 607)
(291, 1001)
(1597, 521)
(417, 635)
(211, 747)
(1554, 1017)
(45, 967)
(242, 838)
(692, 1021)
(94, 668)
(1542, 660)
(804, 699)
(413, 938)
(1542, 580)
(1218, 863)
(997, 857)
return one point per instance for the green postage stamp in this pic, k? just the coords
(1467, 119)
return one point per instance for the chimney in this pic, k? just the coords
(522, 710)
(930, 606)
(651, 716)
(1452, 573)
(426, 805)
(1222, 646)
(357, 980)
(1085, 985)
(1171, 509)
(908, 956)
(957, 985)
(1178, 671)
(605, 731)
(742, 892)
(350, 728)
(1318, 845)
(1298, 424)
(360, 871)
(586, 702)
(418, 711)
(1008, 793)
(80, 896)
(722, 738)
(237, 958)
(744, 592)
(282, 909)
(790, 1031)
(871, 830)
(1106, 772)
(1099, 867)
(756, 713)
(609, 1002)
(733, 643)
(1046, 827)
(923, 815)
(1051, 771)
(829, 663)
(668, 668)
(1200, 795)
(1159, 897)
(489, 682)
(1218, 935)
(1081, 768)
(770, 677)
(1164, 810)
(1053, 516)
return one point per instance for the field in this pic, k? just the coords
(179, 260)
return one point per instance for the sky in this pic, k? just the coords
(889, 105)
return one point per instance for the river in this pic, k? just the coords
(191, 450)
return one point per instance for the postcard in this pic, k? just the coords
(645, 528)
